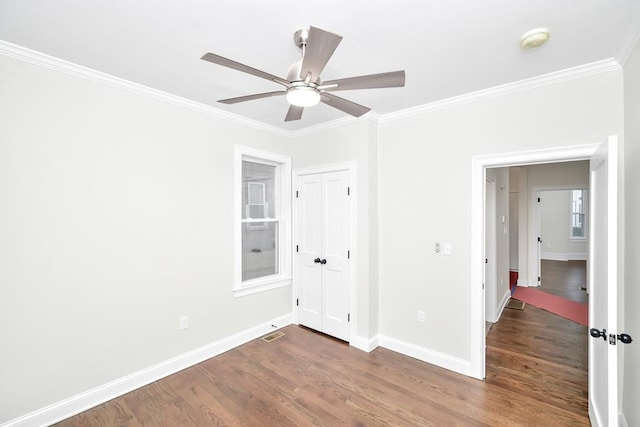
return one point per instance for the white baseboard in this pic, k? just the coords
(503, 303)
(525, 283)
(427, 355)
(552, 256)
(95, 396)
(365, 344)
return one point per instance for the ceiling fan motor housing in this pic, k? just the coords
(293, 75)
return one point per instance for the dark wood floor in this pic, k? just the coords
(536, 376)
(565, 278)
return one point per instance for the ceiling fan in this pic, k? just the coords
(303, 87)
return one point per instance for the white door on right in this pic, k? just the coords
(322, 257)
(603, 286)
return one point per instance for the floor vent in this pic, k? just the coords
(273, 336)
(515, 304)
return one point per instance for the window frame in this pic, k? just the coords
(584, 213)
(282, 209)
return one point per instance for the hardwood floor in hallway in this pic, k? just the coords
(564, 279)
(536, 375)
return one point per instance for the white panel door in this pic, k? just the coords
(309, 246)
(335, 239)
(323, 253)
(603, 284)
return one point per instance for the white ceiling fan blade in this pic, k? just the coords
(342, 104)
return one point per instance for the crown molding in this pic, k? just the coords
(56, 64)
(629, 47)
(27, 55)
(543, 80)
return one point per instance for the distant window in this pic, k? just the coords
(579, 214)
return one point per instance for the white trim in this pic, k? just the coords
(571, 256)
(536, 82)
(97, 395)
(283, 182)
(525, 283)
(503, 303)
(552, 256)
(433, 357)
(27, 55)
(55, 64)
(478, 165)
(351, 167)
(366, 344)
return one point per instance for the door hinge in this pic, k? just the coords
(348, 254)
(539, 239)
(483, 286)
(297, 248)
(348, 317)
(297, 302)
(538, 199)
(539, 278)
(486, 260)
(348, 191)
(296, 194)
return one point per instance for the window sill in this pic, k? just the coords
(257, 286)
(577, 239)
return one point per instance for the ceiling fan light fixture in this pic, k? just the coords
(303, 96)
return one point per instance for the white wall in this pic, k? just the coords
(631, 321)
(115, 220)
(430, 155)
(555, 228)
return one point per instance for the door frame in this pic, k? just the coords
(479, 164)
(490, 248)
(349, 167)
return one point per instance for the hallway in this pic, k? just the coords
(565, 279)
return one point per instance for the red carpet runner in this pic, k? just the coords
(557, 305)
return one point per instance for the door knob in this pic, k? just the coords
(598, 334)
(323, 261)
(317, 261)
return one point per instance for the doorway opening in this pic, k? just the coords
(603, 269)
(480, 165)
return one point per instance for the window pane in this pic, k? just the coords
(578, 225)
(258, 186)
(259, 249)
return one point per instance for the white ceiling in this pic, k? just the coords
(447, 48)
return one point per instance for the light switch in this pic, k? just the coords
(446, 248)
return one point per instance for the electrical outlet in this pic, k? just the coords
(184, 322)
(420, 316)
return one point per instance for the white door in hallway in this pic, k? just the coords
(323, 256)
(603, 286)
